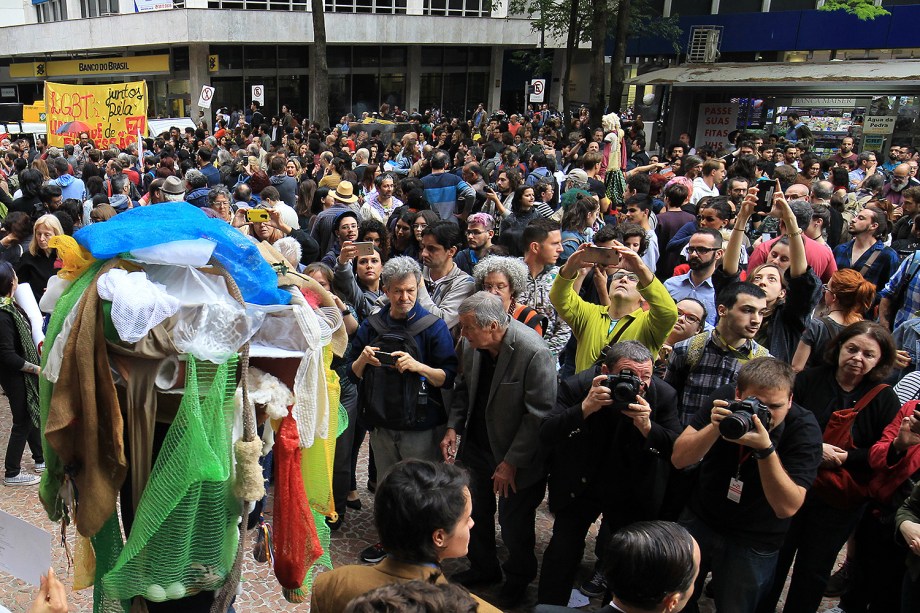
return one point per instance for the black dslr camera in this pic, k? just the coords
(624, 388)
(741, 421)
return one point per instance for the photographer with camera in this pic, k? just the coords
(758, 454)
(610, 435)
(853, 407)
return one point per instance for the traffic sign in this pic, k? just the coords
(258, 94)
(207, 94)
(537, 90)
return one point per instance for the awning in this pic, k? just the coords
(879, 77)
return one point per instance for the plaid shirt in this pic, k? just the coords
(884, 266)
(911, 305)
(536, 295)
(717, 365)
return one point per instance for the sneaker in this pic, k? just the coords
(22, 479)
(40, 467)
(373, 554)
(840, 580)
(594, 588)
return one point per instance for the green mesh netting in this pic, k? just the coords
(184, 537)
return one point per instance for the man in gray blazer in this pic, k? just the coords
(507, 386)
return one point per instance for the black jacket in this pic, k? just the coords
(604, 457)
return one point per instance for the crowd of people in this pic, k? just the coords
(726, 339)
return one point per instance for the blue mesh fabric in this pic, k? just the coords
(162, 223)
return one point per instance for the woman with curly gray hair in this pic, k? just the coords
(506, 277)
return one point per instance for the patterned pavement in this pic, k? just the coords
(260, 591)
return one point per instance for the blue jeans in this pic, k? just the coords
(740, 574)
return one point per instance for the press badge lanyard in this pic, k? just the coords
(736, 485)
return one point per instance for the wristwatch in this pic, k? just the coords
(763, 454)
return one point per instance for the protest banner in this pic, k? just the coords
(110, 114)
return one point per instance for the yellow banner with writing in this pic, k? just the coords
(110, 114)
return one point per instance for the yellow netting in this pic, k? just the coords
(75, 259)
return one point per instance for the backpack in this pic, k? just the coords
(390, 399)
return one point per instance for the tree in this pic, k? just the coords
(321, 67)
(566, 19)
(598, 44)
(864, 9)
(637, 18)
(580, 22)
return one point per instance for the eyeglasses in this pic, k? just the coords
(500, 287)
(690, 317)
(701, 250)
(827, 288)
(629, 276)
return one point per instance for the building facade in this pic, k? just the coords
(414, 54)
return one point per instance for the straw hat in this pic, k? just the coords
(345, 192)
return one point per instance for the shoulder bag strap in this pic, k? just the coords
(868, 397)
(865, 268)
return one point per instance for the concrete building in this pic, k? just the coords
(414, 54)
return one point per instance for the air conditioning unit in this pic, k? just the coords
(704, 44)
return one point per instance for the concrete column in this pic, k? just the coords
(125, 7)
(198, 76)
(715, 7)
(765, 6)
(667, 9)
(197, 4)
(415, 7)
(413, 77)
(495, 85)
(500, 8)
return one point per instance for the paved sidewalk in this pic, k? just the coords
(261, 592)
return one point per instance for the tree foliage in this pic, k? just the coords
(553, 18)
(864, 9)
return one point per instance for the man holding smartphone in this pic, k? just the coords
(596, 326)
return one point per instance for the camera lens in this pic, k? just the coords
(624, 393)
(736, 425)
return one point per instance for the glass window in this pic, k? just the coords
(454, 93)
(692, 7)
(393, 89)
(293, 91)
(338, 57)
(433, 56)
(180, 59)
(229, 56)
(477, 90)
(228, 92)
(365, 93)
(53, 10)
(393, 56)
(480, 57)
(293, 56)
(740, 6)
(366, 57)
(791, 5)
(339, 94)
(455, 56)
(430, 91)
(260, 56)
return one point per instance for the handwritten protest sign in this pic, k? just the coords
(110, 114)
